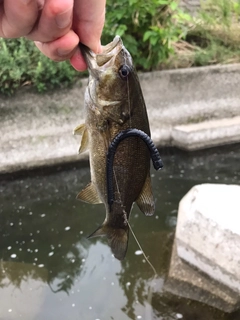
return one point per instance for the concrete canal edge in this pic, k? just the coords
(36, 130)
(208, 238)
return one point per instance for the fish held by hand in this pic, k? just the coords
(114, 103)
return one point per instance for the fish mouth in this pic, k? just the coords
(103, 60)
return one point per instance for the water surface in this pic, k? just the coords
(52, 271)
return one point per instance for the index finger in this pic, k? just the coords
(88, 22)
(17, 18)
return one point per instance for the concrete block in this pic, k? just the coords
(22, 290)
(208, 231)
(207, 134)
(185, 281)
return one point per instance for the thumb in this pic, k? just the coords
(88, 22)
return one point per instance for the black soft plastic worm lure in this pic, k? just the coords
(156, 159)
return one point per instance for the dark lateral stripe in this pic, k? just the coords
(156, 159)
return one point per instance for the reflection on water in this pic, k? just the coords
(43, 245)
(21, 283)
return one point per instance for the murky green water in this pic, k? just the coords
(49, 270)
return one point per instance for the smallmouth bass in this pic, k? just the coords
(114, 103)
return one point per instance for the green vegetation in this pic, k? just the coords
(214, 36)
(22, 64)
(156, 32)
(148, 28)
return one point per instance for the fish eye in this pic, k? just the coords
(124, 71)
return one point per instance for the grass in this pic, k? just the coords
(213, 37)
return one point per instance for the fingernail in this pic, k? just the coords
(38, 44)
(64, 19)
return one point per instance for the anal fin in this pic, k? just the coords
(89, 194)
(145, 200)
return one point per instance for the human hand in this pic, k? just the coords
(87, 24)
(55, 26)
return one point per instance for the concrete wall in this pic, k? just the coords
(37, 129)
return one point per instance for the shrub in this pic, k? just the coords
(216, 31)
(21, 63)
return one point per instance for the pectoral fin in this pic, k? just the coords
(145, 200)
(89, 194)
(81, 130)
(84, 142)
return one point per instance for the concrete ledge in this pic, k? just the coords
(207, 134)
(36, 129)
(208, 232)
(185, 281)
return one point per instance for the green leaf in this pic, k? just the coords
(154, 40)
(173, 5)
(147, 35)
(121, 29)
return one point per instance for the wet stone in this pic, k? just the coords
(207, 134)
(208, 231)
(186, 281)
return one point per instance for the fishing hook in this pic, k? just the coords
(156, 159)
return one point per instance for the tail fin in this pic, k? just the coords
(117, 239)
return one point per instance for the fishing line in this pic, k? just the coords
(128, 92)
(129, 105)
(110, 173)
(148, 310)
(155, 275)
(140, 247)
(152, 281)
(134, 236)
(130, 228)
